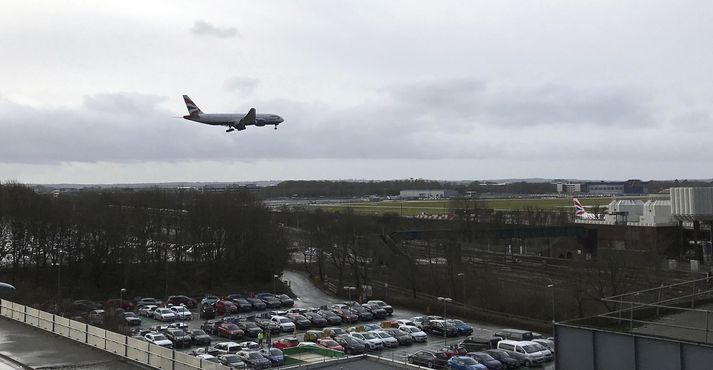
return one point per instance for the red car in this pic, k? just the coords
(118, 303)
(451, 351)
(178, 300)
(286, 343)
(330, 343)
(229, 330)
(224, 307)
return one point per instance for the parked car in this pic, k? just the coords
(206, 312)
(131, 319)
(376, 311)
(404, 339)
(177, 300)
(208, 358)
(405, 322)
(209, 299)
(275, 355)
(312, 335)
(158, 339)
(330, 343)
(351, 345)
(549, 356)
(179, 337)
(370, 340)
(300, 321)
(254, 359)
(316, 320)
(388, 340)
(331, 317)
(249, 346)
(286, 324)
(124, 304)
(362, 313)
(508, 360)
(547, 343)
(270, 300)
(243, 304)
(148, 302)
(250, 328)
(285, 300)
(182, 313)
(346, 315)
(532, 353)
(211, 326)
(84, 306)
(268, 326)
(517, 334)
(227, 347)
(464, 363)
(333, 332)
(96, 317)
(487, 360)
(199, 337)
(164, 314)
(232, 361)
(384, 305)
(463, 328)
(288, 342)
(257, 304)
(478, 343)
(428, 358)
(225, 307)
(229, 330)
(438, 327)
(418, 335)
(147, 310)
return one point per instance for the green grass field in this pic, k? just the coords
(416, 207)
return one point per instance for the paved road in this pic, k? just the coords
(38, 349)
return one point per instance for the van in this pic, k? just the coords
(516, 334)
(532, 353)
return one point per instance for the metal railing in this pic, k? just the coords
(129, 348)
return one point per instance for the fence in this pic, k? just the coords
(129, 348)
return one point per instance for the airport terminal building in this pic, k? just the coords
(428, 194)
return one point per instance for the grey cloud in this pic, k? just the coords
(203, 28)
(122, 103)
(244, 85)
(473, 100)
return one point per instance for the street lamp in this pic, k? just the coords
(121, 297)
(445, 301)
(552, 286)
(274, 283)
(462, 276)
(349, 291)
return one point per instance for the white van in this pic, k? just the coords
(531, 351)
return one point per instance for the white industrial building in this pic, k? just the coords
(428, 194)
(684, 204)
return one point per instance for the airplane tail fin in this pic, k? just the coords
(580, 212)
(193, 109)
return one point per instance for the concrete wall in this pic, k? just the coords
(580, 348)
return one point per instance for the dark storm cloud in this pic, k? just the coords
(473, 100)
(203, 28)
(244, 85)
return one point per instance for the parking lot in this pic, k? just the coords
(310, 296)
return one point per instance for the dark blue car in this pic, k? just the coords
(487, 360)
(276, 357)
(464, 363)
(463, 328)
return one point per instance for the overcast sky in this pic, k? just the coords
(368, 89)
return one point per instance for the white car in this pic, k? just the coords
(388, 340)
(403, 322)
(164, 314)
(158, 339)
(208, 358)
(372, 341)
(182, 312)
(147, 310)
(530, 350)
(418, 335)
(227, 347)
(286, 324)
(249, 346)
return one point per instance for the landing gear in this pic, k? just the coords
(275, 127)
(230, 129)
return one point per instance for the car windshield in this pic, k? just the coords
(231, 359)
(284, 320)
(231, 327)
(468, 361)
(275, 352)
(129, 314)
(456, 322)
(529, 348)
(198, 332)
(369, 335)
(486, 357)
(254, 355)
(330, 343)
(383, 335)
(409, 329)
(159, 337)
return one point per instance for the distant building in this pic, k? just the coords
(629, 187)
(568, 188)
(224, 188)
(428, 194)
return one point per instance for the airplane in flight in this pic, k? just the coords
(580, 212)
(234, 121)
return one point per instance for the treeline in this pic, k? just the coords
(151, 242)
(313, 189)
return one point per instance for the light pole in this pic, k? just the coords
(552, 286)
(274, 283)
(445, 301)
(349, 292)
(462, 276)
(121, 297)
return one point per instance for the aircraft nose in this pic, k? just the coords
(280, 120)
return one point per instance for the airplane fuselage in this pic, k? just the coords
(230, 119)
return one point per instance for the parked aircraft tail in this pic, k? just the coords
(580, 212)
(193, 109)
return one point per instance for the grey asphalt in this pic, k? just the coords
(38, 349)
